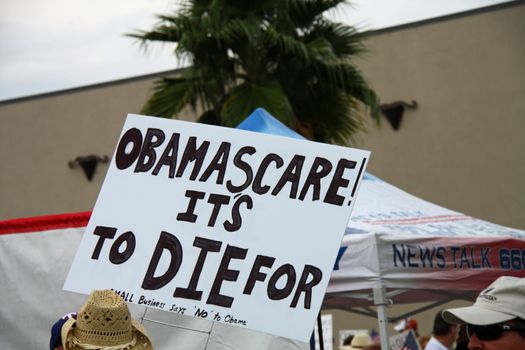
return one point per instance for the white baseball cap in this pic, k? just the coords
(503, 300)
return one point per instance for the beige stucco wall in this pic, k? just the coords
(464, 147)
(39, 136)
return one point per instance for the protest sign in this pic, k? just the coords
(228, 225)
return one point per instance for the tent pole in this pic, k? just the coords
(381, 302)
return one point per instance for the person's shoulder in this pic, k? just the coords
(56, 329)
(434, 344)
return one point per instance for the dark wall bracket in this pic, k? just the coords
(394, 111)
(88, 164)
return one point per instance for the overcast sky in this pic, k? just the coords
(59, 44)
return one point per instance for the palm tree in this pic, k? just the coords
(282, 55)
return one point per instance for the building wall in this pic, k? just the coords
(40, 135)
(464, 146)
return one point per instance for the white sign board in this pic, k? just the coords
(228, 225)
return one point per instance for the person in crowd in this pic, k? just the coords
(406, 325)
(360, 341)
(372, 347)
(55, 342)
(443, 334)
(423, 340)
(462, 340)
(496, 321)
(103, 323)
(348, 340)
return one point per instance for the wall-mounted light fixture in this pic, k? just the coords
(88, 164)
(393, 112)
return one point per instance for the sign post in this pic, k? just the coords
(226, 225)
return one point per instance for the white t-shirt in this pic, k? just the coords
(434, 344)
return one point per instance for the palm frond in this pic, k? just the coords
(236, 29)
(171, 95)
(282, 55)
(321, 50)
(304, 13)
(248, 96)
(333, 117)
(344, 40)
(286, 44)
(161, 33)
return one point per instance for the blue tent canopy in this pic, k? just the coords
(262, 121)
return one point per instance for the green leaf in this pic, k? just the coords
(245, 98)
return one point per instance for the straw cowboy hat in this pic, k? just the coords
(104, 322)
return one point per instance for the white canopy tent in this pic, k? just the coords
(401, 249)
(398, 248)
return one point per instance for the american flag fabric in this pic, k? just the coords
(411, 342)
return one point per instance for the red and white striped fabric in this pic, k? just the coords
(35, 255)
